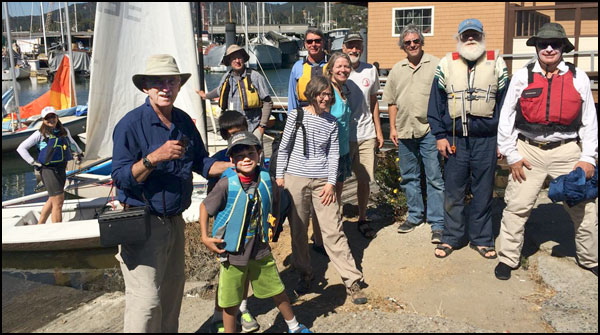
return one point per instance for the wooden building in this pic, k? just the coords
(507, 25)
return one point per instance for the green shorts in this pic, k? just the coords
(262, 274)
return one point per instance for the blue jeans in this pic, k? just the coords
(411, 153)
(475, 162)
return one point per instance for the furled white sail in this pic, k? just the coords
(125, 34)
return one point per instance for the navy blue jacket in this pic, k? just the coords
(168, 188)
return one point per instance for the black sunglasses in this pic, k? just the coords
(317, 40)
(543, 44)
(477, 36)
(415, 41)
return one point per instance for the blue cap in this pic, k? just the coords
(470, 24)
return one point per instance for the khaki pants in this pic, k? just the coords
(521, 197)
(154, 277)
(305, 194)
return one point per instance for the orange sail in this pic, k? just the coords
(59, 95)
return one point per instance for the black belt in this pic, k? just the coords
(545, 145)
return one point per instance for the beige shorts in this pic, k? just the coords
(362, 154)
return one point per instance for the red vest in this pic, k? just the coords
(549, 105)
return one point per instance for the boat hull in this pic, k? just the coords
(11, 140)
(268, 56)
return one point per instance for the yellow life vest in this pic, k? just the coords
(308, 72)
(472, 91)
(249, 97)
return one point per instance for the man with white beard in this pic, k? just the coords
(464, 105)
(365, 128)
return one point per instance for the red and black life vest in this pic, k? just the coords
(549, 105)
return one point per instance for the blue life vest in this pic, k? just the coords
(230, 224)
(57, 150)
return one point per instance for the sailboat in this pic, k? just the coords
(137, 33)
(25, 121)
(263, 53)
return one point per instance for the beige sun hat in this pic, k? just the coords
(157, 66)
(232, 49)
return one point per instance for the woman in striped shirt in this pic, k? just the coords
(307, 168)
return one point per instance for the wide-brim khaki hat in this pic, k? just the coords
(232, 49)
(159, 66)
(552, 30)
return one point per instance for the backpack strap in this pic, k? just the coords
(572, 68)
(249, 78)
(530, 73)
(299, 124)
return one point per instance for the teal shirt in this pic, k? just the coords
(341, 111)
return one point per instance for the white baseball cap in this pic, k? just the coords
(48, 110)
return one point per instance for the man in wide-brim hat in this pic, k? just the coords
(243, 90)
(234, 51)
(549, 108)
(156, 148)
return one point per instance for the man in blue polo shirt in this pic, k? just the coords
(156, 148)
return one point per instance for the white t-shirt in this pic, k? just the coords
(362, 83)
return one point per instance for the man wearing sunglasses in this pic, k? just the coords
(407, 95)
(465, 101)
(304, 69)
(549, 108)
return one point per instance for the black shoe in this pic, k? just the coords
(406, 227)
(594, 270)
(303, 286)
(436, 236)
(502, 271)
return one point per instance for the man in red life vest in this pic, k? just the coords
(547, 110)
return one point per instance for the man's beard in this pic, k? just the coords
(471, 52)
(354, 59)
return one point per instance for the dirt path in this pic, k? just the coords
(409, 289)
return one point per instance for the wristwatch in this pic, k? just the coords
(147, 163)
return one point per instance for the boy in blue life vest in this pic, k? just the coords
(241, 202)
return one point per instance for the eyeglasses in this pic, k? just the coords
(324, 95)
(159, 82)
(543, 44)
(415, 41)
(316, 40)
(477, 36)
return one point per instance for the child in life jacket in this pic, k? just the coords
(241, 202)
(54, 143)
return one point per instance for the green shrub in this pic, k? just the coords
(387, 177)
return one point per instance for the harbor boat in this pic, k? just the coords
(75, 124)
(263, 52)
(212, 58)
(288, 46)
(336, 38)
(78, 230)
(111, 96)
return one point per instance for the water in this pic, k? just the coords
(18, 178)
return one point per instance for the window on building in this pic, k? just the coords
(528, 23)
(422, 17)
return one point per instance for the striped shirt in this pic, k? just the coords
(322, 148)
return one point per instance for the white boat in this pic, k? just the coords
(262, 52)
(78, 230)
(111, 96)
(20, 73)
(12, 139)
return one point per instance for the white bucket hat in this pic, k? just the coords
(159, 66)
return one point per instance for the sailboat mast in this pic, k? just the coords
(12, 62)
(62, 33)
(73, 95)
(44, 28)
